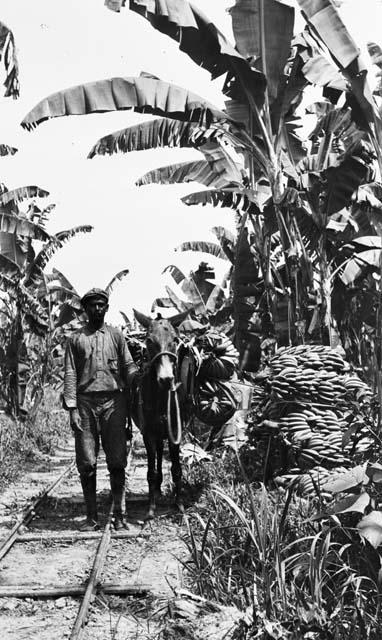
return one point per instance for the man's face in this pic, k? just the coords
(96, 309)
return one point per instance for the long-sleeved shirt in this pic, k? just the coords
(96, 361)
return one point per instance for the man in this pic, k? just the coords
(99, 372)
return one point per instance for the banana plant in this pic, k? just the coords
(279, 190)
(29, 312)
(9, 59)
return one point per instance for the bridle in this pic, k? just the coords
(172, 401)
(159, 355)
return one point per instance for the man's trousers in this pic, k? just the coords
(103, 416)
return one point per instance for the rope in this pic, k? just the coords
(175, 440)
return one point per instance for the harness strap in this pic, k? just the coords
(160, 354)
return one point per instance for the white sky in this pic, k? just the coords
(62, 43)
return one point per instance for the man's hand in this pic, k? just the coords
(75, 420)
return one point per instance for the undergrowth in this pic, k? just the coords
(262, 551)
(23, 441)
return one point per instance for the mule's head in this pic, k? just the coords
(161, 343)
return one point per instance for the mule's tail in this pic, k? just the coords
(173, 415)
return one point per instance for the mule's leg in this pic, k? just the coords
(176, 472)
(150, 445)
(159, 474)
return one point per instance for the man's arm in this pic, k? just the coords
(129, 368)
(70, 387)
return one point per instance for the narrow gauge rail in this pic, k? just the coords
(92, 585)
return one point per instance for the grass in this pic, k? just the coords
(261, 551)
(22, 441)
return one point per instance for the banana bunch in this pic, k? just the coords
(309, 483)
(354, 385)
(215, 402)
(315, 437)
(220, 358)
(315, 356)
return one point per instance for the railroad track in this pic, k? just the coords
(92, 585)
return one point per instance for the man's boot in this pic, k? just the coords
(117, 484)
(89, 489)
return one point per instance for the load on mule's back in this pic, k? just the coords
(156, 407)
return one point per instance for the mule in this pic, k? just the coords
(156, 407)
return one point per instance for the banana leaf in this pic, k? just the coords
(175, 273)
(143, 94)
(342, 181)
(5, 150)
(272, 29)
(13, 224)
(118, 276)
(230, 198)
(211, 248)
(215, 299)
(204, 43)
(8, 268)
(163, 303)
(154, 134)
(356, 266)
(35, 269)
(222, 164)
(197, 171)
(176, 173)
(13, 249)
(58, 275)
(316, 67)
(8, 55)
(327, 24)
(114, 5)
(179, 304)
(224, 235)
(375, 53)
(17, 195)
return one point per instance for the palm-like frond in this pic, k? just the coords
(224, 235)
(154, 134)
(199, 38)
(6, 150)
(32, 309)
(179, 304)
(198, 171)
(116, 278)
(143, 94)
(163, 303)
(270, 25)
(211, 248)
(175, 273)
(8, 55)
(20, 226)
(235, 199)
(17, 195)
(56, 242)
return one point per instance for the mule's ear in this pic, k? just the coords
(176, 320)
(145, 321)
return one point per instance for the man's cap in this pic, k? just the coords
(94, 293)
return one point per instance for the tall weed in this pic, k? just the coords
(262, 551)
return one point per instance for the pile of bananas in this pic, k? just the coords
(219, 357)
(318, 405)
(314, 356)
(320, 377)
(315, 437)
(215, 403)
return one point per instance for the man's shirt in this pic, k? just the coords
(95, 361)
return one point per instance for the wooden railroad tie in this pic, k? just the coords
(71, 590)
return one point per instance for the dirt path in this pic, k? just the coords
(152, 559)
